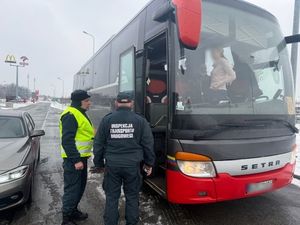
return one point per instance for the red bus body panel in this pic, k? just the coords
(182, 189)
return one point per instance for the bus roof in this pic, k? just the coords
(240, 4)
(115, 35)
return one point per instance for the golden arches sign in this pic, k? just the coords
(10, 59)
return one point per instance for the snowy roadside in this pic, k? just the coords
(296, 182)
(15, 105)
(2, 103)
(55, 105)
(59, 106)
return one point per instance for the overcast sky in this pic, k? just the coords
(49, 33)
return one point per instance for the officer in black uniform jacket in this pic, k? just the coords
(124, 139)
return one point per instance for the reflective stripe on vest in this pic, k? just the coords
(84, 135)
(84, 143)
(83, 153)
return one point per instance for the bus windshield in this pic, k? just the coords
(240, 68)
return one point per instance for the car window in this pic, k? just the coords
(31, 121)
(29, 124)
(11, 127)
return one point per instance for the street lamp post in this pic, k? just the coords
(93, 37)
(28, 77)
(4, 87)
(63, 86)
(12, 61)
(17, 78)
(93, 62)
(34, 80)
(28, 86)
(54, 89)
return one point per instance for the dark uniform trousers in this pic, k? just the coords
(74, 185)
(131, 179)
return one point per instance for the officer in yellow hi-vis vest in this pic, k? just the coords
(77, 135)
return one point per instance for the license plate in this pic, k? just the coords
(259, 187)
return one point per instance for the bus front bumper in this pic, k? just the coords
(182, 189)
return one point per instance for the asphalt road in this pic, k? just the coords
(281, 207)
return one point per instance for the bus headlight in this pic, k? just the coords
(197, 169)
(13, 174)
(195, 165)
(294, 154)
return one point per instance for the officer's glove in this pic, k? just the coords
(95, 169)
(147, 169)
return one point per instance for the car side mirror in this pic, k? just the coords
(292, 39)
(37, 133)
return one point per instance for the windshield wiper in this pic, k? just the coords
(207, 133)
(235, 125)
(284, 122)
(219, 129)
(248, 124)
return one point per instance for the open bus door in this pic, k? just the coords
(156, 104)
(156, 70)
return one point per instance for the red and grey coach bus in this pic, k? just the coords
(207, 151)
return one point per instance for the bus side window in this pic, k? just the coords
(127, 70)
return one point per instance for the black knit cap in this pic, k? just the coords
(79, 95)
(125, 97)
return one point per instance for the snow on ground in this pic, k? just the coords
(14, 105)
(57, 105)
(2, 103)
(20, 105)
(296, 182)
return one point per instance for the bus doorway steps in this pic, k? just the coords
(158, 184)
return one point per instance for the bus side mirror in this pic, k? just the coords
(292, 39)
(189, 20)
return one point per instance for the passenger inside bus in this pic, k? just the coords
(238, 85)
(245, 87)
(222, 76)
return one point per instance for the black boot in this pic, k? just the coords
(67, 221)
(79, 216)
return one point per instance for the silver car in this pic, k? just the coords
(19, 157)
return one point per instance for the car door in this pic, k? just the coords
(35, 140)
